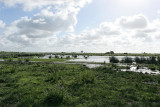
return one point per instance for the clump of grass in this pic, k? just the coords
(8, 59)
(53, 78)
(26, 59)
(109, 70)
(19, 60)
(13, 69)
(86, 77)
(152, 67)
(54, 98)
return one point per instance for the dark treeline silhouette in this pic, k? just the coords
(139, 60)
(16, 55)
(127, 60)
(113, 59)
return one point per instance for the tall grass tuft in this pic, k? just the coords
(53, 78)
(86, 77)
(54, 98)
(13, 69)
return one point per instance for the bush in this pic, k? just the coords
(56, 56)
(140, 60)
(158, 59)
(127, 60)
(50, 57)
(68, 57)
(113, 59)
(152, 60)
(26, 59)
(153, 67)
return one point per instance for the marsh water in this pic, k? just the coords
(81, 58)
(85, 60)
(144, 70)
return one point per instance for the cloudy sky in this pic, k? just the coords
(75, 25)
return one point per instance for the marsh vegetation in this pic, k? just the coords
(34, 82)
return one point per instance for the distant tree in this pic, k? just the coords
(158, 59)
(111, 52)
(50, 57)
(140, 60)
(74, 56)
(151, 60)
(56, 56)
(113, 59)
(68, 57)
(127, 60)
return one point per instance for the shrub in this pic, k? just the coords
(140, 60)
(158, 59)
(68, 57)
(113, 59)
(153, 67)
(127, 60)
(151, 60)
(50, 57)
(56, 56)
(26, 59)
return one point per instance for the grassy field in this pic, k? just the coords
(36, 60)
(46, 85)
(47, 60)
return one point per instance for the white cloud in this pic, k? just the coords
(110, 36)
(158, 11)
(2, 24)
(32, 4)
(133, 22)
(39, 33)
(46, 24)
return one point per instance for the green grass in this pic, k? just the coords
(44, 60)
(26, 54)
(46, 85)
(49, 60)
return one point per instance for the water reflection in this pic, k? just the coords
(1, 60)
(134, 68)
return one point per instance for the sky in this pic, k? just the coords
(131, 26)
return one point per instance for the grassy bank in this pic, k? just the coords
(35, 59)
(48, 60)
(40, 85)
(40, 54)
